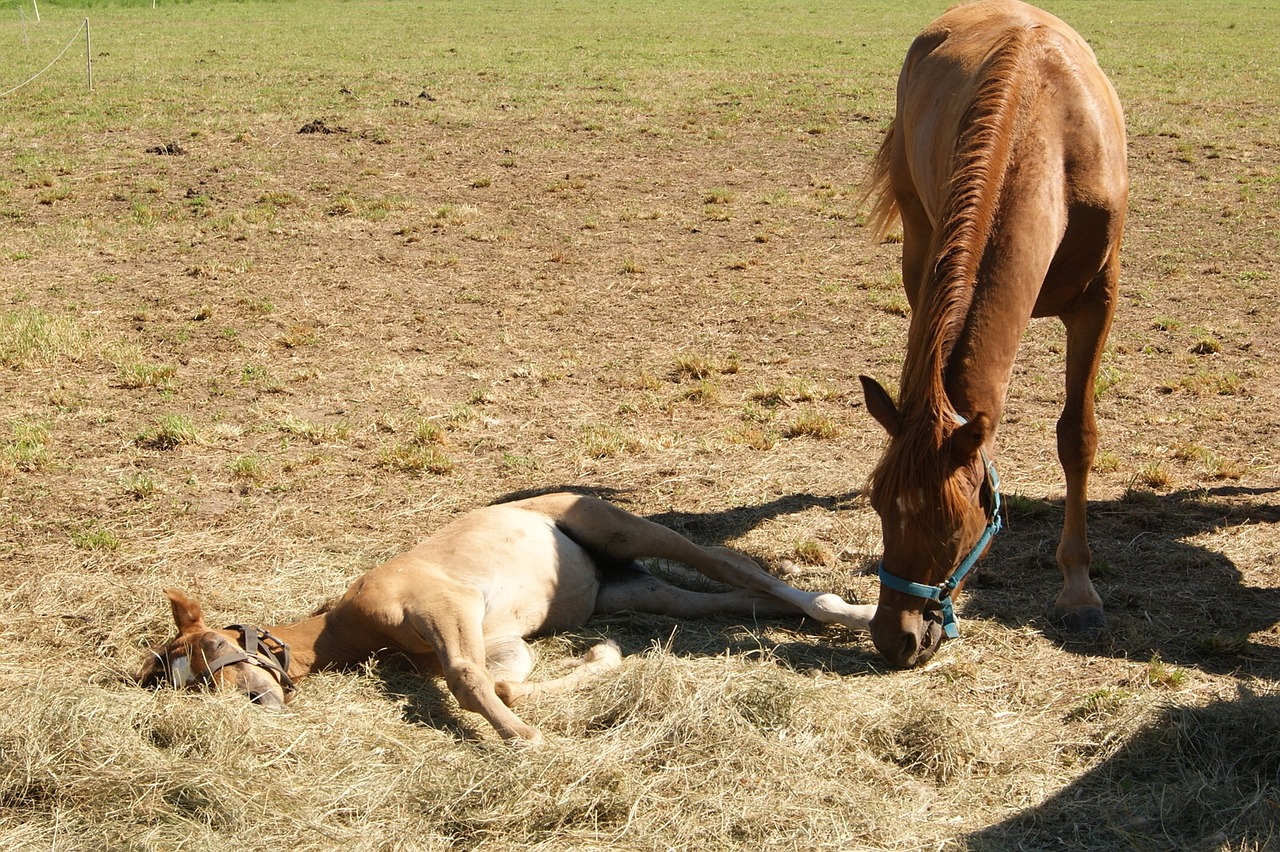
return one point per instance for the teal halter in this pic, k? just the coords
(942, 591)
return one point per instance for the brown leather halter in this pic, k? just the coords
(257, 648)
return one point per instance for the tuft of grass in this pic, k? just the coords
(27, 448)
(718, 195)
(1100, 704)
(1107, 380)
(421, 451)
(1106, 461)
(32, 336)
(754, 437)
(1206, 345)
(812, 424)
(95, 537)
(1155, 476)
(139, 486)
(694, 367)
(516, 463)
(314, 431)
(135, 376)
(703, 392)
(602, 442)
(1160, 674)
(454, 215)
(297, 336)
(248, 468)
(811, 552)
(171, 430)
(417, 459)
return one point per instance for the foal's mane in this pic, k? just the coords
(981, 159)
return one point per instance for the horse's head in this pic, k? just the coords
(938, 504)
(235, 658)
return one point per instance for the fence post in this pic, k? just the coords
(88, 53)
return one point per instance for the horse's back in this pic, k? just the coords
(1067, 103)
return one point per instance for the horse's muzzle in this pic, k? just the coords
(907, 638)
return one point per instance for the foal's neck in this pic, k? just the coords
(318, 643)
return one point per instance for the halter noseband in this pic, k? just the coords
(942, 591)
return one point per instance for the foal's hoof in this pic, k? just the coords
(1086, 621)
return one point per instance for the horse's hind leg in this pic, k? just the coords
(511, 661)
(1079, 604)
(606, 530)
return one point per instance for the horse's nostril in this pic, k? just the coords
(907, 649)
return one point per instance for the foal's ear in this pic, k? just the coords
(969, 438)
(880, 405)
(187, 614)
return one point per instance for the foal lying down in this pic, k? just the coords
(462, 603)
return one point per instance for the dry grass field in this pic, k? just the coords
(612, 247)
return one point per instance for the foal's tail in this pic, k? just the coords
(876, 189)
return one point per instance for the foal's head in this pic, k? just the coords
(200, 656)
(930, 490)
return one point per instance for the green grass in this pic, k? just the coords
(34, 336)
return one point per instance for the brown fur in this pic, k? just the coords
(1005, 163)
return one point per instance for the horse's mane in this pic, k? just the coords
(980, 162)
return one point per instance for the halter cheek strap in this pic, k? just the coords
(942, 591)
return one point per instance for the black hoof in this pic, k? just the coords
(1086, 621)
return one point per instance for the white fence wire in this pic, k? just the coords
(83, 28)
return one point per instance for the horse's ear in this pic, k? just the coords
(880, 405)
(969, 438)
(187, 614)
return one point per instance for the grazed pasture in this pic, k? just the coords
(612, 247)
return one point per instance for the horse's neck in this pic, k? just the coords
(318, 643)
(976, 371)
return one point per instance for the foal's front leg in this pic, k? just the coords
(453, 631)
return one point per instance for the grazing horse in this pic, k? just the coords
(463, 601)
(1006, 164)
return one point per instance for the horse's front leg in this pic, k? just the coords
(453, 630)
(1079, 605)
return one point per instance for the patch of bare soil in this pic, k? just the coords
(293, 354)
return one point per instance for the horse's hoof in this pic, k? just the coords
(1085, 621)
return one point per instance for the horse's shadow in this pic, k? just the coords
(1164, 593)
(1191, 778)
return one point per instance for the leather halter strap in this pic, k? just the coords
(942, 591)
(257, 648)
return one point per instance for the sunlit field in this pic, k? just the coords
(296, 283)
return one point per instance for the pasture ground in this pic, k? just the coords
(614, 247)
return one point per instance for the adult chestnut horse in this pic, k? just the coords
(1006, 164)
(462, 602)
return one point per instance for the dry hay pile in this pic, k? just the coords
(715, 736)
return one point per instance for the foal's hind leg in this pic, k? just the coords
(511, 661)
(606, 530)
(1079, 605)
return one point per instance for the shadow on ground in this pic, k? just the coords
(1164, 595)
(1193, 778)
